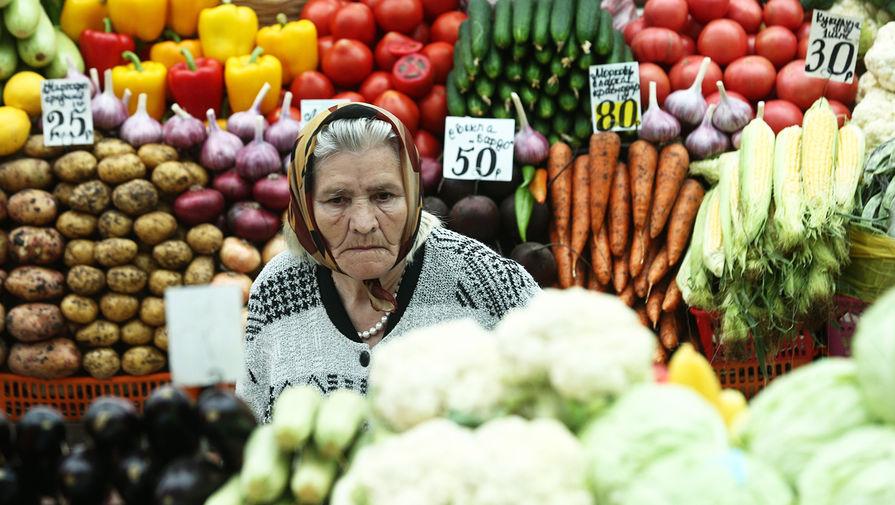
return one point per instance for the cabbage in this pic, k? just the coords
(649, 422)
(790, 420)
(855, 469)
(701, 477)
(874, 352)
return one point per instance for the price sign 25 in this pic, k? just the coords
(75, 125)
(841, 58)
(463, 162)
(611, 114)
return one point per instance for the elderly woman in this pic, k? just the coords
(364, 263)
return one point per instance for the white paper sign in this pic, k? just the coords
(833, 46)
(310, 108)
(67, 118)
(615, 96)
(205, 335)
(478, 148)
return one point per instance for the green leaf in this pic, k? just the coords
(524, 202)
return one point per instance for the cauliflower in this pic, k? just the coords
(872, 18)
(865, 84)
(875, 115)
(880, 58)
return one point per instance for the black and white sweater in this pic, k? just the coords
(298, 331)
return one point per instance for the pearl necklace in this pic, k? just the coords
(376, 328)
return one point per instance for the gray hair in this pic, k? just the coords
(354, 135)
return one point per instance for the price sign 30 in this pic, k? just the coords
(833, 46)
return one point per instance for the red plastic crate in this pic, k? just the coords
(842, 328)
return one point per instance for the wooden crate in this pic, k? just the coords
(267, 10)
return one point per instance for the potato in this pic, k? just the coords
(85, 280)
(142, 360)
(99, 333)
(114, 223)
(62, 192)
(205, 238)
(31, 322)
(110, 147)
(126, 279)
(4, 203)
(160, 280)
(79, 252)
(101, 363)
(120, 168)
(32, 206)
(152, 311)
(33, 245)
(76, 224)
(79, 309)
(118, 307)
(173, 254)
(199, 271)
(154, 155)
(155, 227)
(4, 247)
(24, 173)
(91, 196)
(198, 174)
(75, 167)
(160, 337)
(50, 359)
(135, 197)
(35, 284)
(171, 177)
(35, 148)
(145, 262)
(136, 332)
(113, 252)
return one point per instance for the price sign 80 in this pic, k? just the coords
(611, 114)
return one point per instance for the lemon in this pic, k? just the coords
(23, 91)
(14, 129)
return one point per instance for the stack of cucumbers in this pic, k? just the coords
(29, 41)
(542, 50)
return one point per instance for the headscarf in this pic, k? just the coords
(301, 203)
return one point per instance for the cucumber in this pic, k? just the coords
(563, 123)
(541, 30)
(551, 86)
(9, 58)
(587, 23)
(499, 110)
(586, 60)
(604, 37)
(66, 50)
(265, 470)
(461, 77)
(464, 46)
(617, 54)
(567, 100)
(21, 17)
(485, 88)
(338, 422)
(479, 12)
(513, 71)
(528, 96)
(533, 74)
(493, 64)
(475, 105)
(313, 477)
(561, 21)
(502, 31)
(558, 67)
(545, 108)
(577, 80)
(522, 15)
(543, 56)
(293, 416)
(553, 138)
(629, 53)
(504, 91)
(39, 49)
(583, 126)
(520, 51)
(572, 52)
(540, 124)
(456, 106)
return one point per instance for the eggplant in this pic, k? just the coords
(171, 423)
(226, 421)
(40, 441)
(9, 486)
(134, 479)
(81, 479)
(7, 439)
(113, 424)
(188, 481)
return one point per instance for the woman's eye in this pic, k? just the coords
(338, 200)
(384, 197)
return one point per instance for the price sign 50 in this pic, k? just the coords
(478, 148)
(485, 162)
(617, 114)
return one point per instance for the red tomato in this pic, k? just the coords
(310, 84)
(441, 54)
(633, 28)
(802, 51)
(274, 115)
(750, 43)
(320, 12)
(375, 84)
(402, 106)
(385, 59)
(723, 40)
(715, 98)
(671, 14)
(798, 88)
(657, 45)
(433, 110)
(652, 72)
(707, 10)
(788, 13)
(779, 114)
(354, 21)
(351, 96)
(427, 144)
(841, 111)
(841, 91)
(683, 73)
(692, 28)
(446, 27)
(324, 43)
(413, 75)
(777, 44)
(747, 13)
(434, 8)
(370, 3)
(422, 33)
(688, 47)
(399, 15)
(804, 31)
(348, 62)
(751, 76)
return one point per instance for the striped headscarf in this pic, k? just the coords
(301, 203)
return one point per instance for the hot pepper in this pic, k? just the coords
(183, 15)
(169, 52)
(197, 84)
(294, 44)
(244, 77)
(103, 49)
(80, 15)
(227, 30)
(143, 19)
(141, 77)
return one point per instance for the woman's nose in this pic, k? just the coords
(363, 217)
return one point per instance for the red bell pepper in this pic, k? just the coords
(197, 84)
(102, 50)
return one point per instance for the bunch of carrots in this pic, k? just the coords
(623, 227)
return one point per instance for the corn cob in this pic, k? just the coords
(755, 174)
(691, 277)
(849, 167)
(789, 197)
(713, 239)
(819, 144)
(734, 243)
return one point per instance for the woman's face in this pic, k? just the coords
(360, 210)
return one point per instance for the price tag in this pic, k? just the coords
(833, 46)
(204, 334)
(310, 108)
(478, 148)
(615, 96)
(67, 118)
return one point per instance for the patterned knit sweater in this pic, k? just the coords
(298, 331)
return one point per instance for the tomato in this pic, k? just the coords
(750, 43)
(433, 109)
(348, 62)
(385, 59)
(441, 54)
(802, 51)
(370, 3)
(841, 91)
(633, 28)
(324, 43)
(683, 73)
(723, 40)
(657, 45)
(671, 14)
(708, 10)
(747, 13)
(399, 15)
(446, 27)
(779, 114)
(652, 72)
(351, 96)
(804, 31)
(434, 8)
(422, 33)
(751, 76)
(688, 47)
(716, 98)
(274, 115)
(798, 88)
(311, 84)
(402, 106)
(787, 13)
(320, 12)
(841, 111)
(777, 44)
(692, 28)
(354, 21)
(375, 84)
(413, 75)
(427, 144)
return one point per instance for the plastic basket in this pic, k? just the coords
(72, 395)
(841, 329)
(746, 376)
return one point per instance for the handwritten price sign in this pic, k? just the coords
(615, 96)
(67, 118)
(833, 46)
(312, 107)
(478, 148)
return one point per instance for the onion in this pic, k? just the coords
(274, 246)
(253, 222)
(141, 128)
(283, 133)
(232, 186)
(108, 111)
(198, 205)
(182, 130)
(239, 255)
(430, 174)
(241, 281)
(272, 192)
(220, 148)
(258, 158)
(242, 124)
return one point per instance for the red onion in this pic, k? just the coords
(75, 74)
(530, 146)
(252, 222)
(141, 128)
(182, 130)
(272, 192)
(430, 174)
(287, 160)
(108, 111)
(242, 123)
(257, 158)
(220, 148)
(283, 133)
(235, 210)
(232, 186)
(198, 205)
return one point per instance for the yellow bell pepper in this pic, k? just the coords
(688, 367)
(294, 44)
(245, 75)
(732, 404)
(183, 15)
(168, 52)
(142, 77)
(80, 15)
(143, 19)
(227, 30)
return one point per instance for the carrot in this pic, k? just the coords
(538, 185)
(619, 210)
(599, 256)
(659, 267)
(592, 283)
(673, 164)
(580, 277)
(672, 298)
(619, 273)
(654, 303)
(668, 330)
(627, 295)
(561, 206)
(580, 210)
(639, 246)
(642, 159)
(640, 309)
(641, 284)
(562, 255)
(603, 155)
(660, 356)
(683, 214)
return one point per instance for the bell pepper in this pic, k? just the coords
(197, 84)
(183, 15)
(143, 19)
(245, 75)
(294, 44)
(80, 15)
(227, 30)
(103, 49)
(169, 52)
(141, 77)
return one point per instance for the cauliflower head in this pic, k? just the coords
(875, 115)
(880, 58)
(865, 83)
(872, 18)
